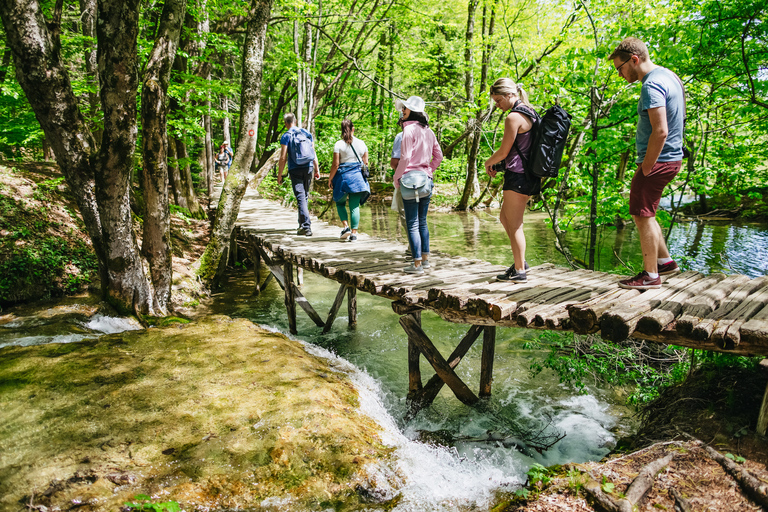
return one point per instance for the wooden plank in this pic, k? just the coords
(727, 333)
(441, 366)
(698, 307)
(486, 361)
(653, 322)
(335, 308)
(704, 329)
(619, 322)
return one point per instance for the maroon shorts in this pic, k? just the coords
(645, 192)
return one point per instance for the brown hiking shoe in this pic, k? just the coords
(641, 281)
(668, 268)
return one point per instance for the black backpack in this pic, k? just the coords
(550, 132)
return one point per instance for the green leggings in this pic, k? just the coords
(354, 209)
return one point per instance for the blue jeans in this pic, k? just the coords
(301, 178)
(416, 220)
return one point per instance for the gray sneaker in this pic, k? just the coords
(425, 264)
(413, 269)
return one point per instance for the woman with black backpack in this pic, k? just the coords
(518, 186)
(348, 179)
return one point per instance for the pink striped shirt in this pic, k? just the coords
(419, 151)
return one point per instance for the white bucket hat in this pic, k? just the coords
(414, 104)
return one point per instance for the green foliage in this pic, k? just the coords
(583, 360)
(736, 458)
(144, 502)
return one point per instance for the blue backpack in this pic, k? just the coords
(301, 147)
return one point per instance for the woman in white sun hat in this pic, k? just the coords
(420, 154)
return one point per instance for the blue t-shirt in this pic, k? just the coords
(285, 140)
(397, 145)
(661, 89)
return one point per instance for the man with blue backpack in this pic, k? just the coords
(298, 150)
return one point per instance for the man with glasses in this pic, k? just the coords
(659, 143)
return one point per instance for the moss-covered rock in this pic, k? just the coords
(212, 414)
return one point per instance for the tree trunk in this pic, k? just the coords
(154, 122)
(470, 185)
(88, 18)
(174, 177)
(118, 23)
(237, 180)
(45, 81)
(187, 185)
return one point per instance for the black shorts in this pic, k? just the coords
(520, 183)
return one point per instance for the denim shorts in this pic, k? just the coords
(520, 183)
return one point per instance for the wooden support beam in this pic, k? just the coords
(486, 366)
(427, 395)
(335, 308)
(352, 306)
(441, 366)
(255, 255)
(414, 371)
(762, 419)
(300, 276)
(290, 297)
(307, 307)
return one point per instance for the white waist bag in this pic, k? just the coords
(415, 185)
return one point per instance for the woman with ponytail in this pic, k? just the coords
(518, 186)
(347, 181)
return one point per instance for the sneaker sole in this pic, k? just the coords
(640, 286)
(668, 272)
(345, 236)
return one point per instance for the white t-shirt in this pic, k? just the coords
(346, 155)
(397, 145)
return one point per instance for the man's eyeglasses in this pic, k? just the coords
(618, 69)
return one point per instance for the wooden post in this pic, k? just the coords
(486, 361)
(762, 420)
(438, 362)
(352, 306)
(290, 297)
(335, 308)
(233, 247)
(426, 396)
(300, 276)
(256, 256)
(414, 355)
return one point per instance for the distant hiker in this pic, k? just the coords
(298, 150)
(347, 179)
(222, 163)
(659, 143)
(420, 156)
(228, 150)
(518, 185)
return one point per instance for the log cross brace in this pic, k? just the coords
(420, 344)
(293, 295)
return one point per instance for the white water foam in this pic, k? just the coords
(111, 324)
(428, 478)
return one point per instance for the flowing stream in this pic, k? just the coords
(451, 456)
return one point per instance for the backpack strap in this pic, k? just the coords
(686, 153)
(355, 152)
(534, 117)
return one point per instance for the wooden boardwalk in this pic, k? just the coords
(714, 312)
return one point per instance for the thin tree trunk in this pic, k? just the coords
(174, 177)
(88, 18)
(154, 126)
(187, 185)
(470, 185)
(214, 258)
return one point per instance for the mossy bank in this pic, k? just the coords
(213, 414)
